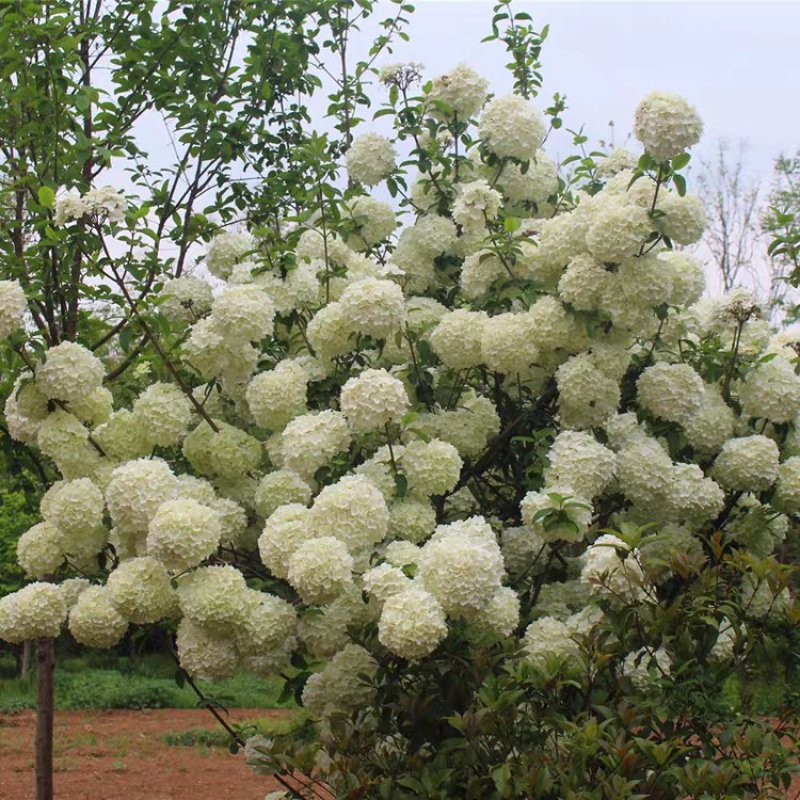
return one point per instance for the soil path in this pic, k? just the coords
(118, 755)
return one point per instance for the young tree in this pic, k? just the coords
(478, 474)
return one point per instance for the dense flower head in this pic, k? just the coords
(462, 567)
(37, 611)
(226, 250)
(684, 218)
(352, 510)
(70, 372)
(666, 125)
(747, 463)
(457, 338)
(141, 591)
(13, 306)
(342, 686)
(41, 549)
(771, 391)
(227, 452)
(462, 90)
(549, 638)
(136, 491)
(311, 440)
(431, 468)
(285, 529)
(164, 412)
(279, 488)
(320, 569)
(512, 128)
(277, 396)
(412, 623)
(613, 569)
(372, 400)
(216, 598)
(673, 392)
(205, 654)
(374, 307)
(373, 221)
(371, 158)
(587, 397)
(411, 519)
(185, 299)
(556, 513)
(182, 533)
(95, 621)
(477, 203)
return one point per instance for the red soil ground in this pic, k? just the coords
(118, 755)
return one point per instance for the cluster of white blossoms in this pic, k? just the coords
(104, 204)
(406, 430)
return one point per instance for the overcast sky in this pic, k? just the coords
(738, 63)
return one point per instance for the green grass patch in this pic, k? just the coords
(113, 682)
(217, 737)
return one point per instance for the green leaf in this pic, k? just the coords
(47, 197)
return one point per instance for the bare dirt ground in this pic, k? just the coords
(118, 755)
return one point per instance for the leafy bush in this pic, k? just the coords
(481, 476)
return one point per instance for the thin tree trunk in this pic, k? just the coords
(45, 702)
(25, 666)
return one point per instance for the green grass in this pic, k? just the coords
(217, 737)
(108, 681)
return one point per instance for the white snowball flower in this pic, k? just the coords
(40, 550)
(164, 412)
(353, 511)
(586, 397)
(226, 250)
(182, 533)
(684, 218)
(243, 313)
(286, 528)
(372, 400)
(374, 307)
(384, 581)
(462, 90)
(94, 620)
(137, 490)
(747, 464)
(106, 202)
(577, 459)
(320, 569)
(374, 221)
(666, 125)
(458, 336)
(463, 572)
(412, 623)
(370, 158)
(206, 655)
(787, 490)
(612, 574)
(617, 231)
(644, 667)
(141, 591)
(277, 396)
(69, 206)
(279, 488)
(13, 306)
(216, 598)
(69, 372)
(411, 519)
(673, 392)
(771, 390)
(37, 611)
(431, 468)
(547, 638)
(475, 205)
(310, 441)
(512, 128)
(185, 299)
(556, 513)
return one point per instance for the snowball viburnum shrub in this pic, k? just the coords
(481, 429)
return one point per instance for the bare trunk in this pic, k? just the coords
(45, 702)
(25, 665)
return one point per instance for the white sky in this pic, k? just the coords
(738, 63)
